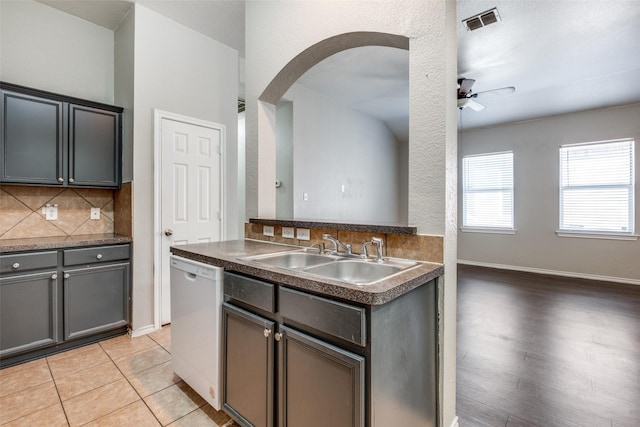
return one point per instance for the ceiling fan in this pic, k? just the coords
(466, 97)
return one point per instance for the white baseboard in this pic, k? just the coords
(454, 423)
(142, 331)
(552, 272)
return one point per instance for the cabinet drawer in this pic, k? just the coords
(250, 291)
(335, 318)
(96, 254)
(28, 261)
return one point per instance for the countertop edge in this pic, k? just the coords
(27, 245)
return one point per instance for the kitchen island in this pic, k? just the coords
(301, 349)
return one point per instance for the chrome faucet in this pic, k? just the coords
(363, 249)
(379, 245)
(336, 243)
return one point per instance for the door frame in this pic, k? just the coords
(158, 116)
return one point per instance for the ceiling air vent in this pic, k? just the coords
(482, 19)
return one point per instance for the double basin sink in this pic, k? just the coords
(336, 267)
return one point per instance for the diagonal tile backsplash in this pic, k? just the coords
(21, 213)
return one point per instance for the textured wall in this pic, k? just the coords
(184, 72)
(51, 50)
(279, 31)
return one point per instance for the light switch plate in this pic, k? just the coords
(267, 230)
(287, 232)
(51, 213)
(304, 234)
(95, 213)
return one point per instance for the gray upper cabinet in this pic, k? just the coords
(32, 139)
(50, 139)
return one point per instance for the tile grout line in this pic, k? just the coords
(131, 385)
(55, 384)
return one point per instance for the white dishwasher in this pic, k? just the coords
(196, 300)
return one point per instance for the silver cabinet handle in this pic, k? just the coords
(54, 276)
(278, 335)
(168, 232)
(266, 332)
(71, 180)
(61, 179)
(66, 275)
(16, 265)
(99, 256)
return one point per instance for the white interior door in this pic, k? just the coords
(191, 192)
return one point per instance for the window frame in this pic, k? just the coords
(593, 233)
(482, 228)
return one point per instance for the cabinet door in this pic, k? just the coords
(248, 365)
(94, 147)
(96, 299)
(32, 139)
(28, 312)
(319, 384)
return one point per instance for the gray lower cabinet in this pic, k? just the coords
(335, 363)
(248, 360)
(319, 384)
(28, 311)
(96, 299)
(58, 299)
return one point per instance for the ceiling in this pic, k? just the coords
(561, 56)
(222, 20)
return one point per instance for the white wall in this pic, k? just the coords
(535, 245)
(124, 60)
(184, 72)
(46, 49)
(284, 159)
(278, 31)
(336, 146)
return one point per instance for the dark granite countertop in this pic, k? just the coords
(44, 243)
(229, 254)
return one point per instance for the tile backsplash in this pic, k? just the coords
(21, 214)
(419, 247)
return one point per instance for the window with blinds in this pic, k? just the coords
(597, 187)
(487, 191)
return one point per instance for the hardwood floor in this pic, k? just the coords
(536, 350)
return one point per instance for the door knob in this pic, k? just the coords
(168, 232)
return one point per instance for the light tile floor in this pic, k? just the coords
(122, 381)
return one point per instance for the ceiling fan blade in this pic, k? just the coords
(500, 91)
(474, 105)
(468, 102)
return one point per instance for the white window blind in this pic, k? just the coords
(597, 187)
(488, 191)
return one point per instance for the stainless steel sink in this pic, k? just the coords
(355, 271)
(350, 270)
(293, 260)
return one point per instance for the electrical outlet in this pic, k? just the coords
(304, 234)
(267, 230)
(51, 212)
(95, 213)
(287, 232)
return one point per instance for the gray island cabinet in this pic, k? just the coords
(57, 299)
(301, 351)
